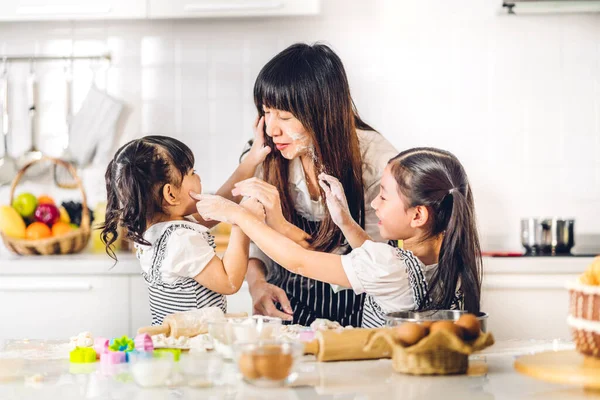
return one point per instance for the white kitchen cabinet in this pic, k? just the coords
(527, 306)
(38, 10)
(62, 306)
(230, 8)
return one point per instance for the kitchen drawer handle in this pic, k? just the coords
(46, 287)
(62, 10)
(257, 5)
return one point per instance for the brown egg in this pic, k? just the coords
(247, 367)
(409, 333)
(273, 364)
(470, 325)
(447, 326)
(427, 326)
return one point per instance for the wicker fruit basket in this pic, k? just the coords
(440, 353)
(71, 242)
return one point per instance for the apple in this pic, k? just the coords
(47, 213)
(25, 204)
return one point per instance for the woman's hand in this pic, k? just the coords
(258, 152)
(267, 195)
(217, 208)
(265, 295)
(336, 199)
(255, 208)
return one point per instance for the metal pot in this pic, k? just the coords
(547, 235)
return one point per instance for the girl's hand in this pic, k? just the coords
(258, 152)
(255, 208)
(336, 199)
(217, 208)
(267, 195)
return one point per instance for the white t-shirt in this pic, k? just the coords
(187, 251)
(393, 279)
(375, 151)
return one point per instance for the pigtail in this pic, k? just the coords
(460, 262)
(110, 233)
(135, 208)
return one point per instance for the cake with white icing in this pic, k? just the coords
(584, 310)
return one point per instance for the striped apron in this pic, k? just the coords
(311, 299)
(185, 293)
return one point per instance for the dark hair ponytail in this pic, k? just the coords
(438, 181)
(134, 181)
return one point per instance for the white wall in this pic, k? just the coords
(515, 97)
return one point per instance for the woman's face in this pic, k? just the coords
(289, 135)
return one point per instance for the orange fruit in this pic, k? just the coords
(37, 230)
(45, 199)
(61, 228)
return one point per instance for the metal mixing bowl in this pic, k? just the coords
(399, 317)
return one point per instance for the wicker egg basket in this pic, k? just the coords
(439, 353)
(71, 242)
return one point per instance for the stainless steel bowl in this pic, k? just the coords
(399, 317)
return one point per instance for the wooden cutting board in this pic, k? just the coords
(568, 367)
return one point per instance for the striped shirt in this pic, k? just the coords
(393, 279)
(179, 251)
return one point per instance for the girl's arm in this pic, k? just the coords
(244, 170)
(293, 257)
(340, 214)
(227, 275)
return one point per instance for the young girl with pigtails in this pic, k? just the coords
(148, 185)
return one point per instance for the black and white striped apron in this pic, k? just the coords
(185, 293)
(311, 299)
(374, 316)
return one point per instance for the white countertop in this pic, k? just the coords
(100, 263)
(347, 380)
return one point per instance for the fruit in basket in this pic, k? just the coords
(11, 223)
(47, 214)
(61, 228)
(45, 199)
(64, 215)
(37, 230)
(75, 209)
(25, 204)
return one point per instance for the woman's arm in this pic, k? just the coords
(268, 195)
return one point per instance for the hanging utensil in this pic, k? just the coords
(33, 154)
(62, 176)
(8, 167)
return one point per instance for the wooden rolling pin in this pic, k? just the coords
(346, 345)
(189, 323)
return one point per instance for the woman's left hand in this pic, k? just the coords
(217, 208)
(336, 199)
(267, 195)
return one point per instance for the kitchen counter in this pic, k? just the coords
(493, 377)
(100, 263)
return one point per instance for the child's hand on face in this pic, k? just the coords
(217, 208)
(336, 199)
(254, 207)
